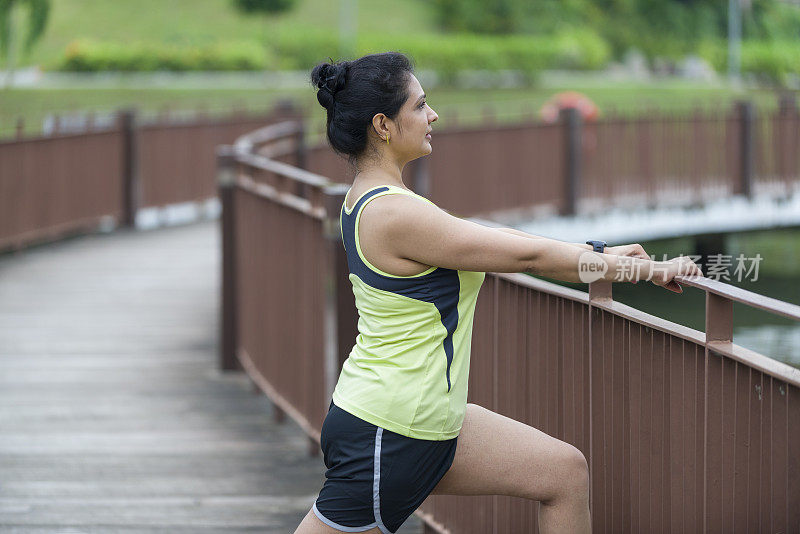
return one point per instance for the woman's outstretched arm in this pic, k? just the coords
(520, 233)
(419, 231)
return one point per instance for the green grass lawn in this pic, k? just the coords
(201, 22)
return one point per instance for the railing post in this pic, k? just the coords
(226, 182)
(746, 114)
(600, 291)
(333, 198)
(301, 151)
(719, 318)
(787, 103)
(130, 168)
(786, 143)
(573, 133)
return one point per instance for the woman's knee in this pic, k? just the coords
(579, 463)
(574, 471)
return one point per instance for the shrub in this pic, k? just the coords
(301, 49)
(263, 6)
(84, 55)
(776, 61)
(449, 54)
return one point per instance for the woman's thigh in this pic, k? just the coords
(496, 455)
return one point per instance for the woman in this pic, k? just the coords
(399, 427)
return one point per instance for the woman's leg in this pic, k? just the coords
(497, 455)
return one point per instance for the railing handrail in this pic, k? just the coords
(248, 146)
(246, 143)
(786, 309)
(283, 169)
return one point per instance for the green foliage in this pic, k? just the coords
(667, 28)
(772, 21)
(777, 61)
(477, 16)
(84, 55)
(301, 50)
(264, 6)
(551, 34)
(38, 13)
(448, 54)
(204, 22)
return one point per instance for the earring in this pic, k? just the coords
(387, 138)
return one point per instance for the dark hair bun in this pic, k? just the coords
(329, 78)
(375, 83)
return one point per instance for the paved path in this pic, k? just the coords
(113, 417)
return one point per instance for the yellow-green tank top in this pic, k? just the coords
(409, 368)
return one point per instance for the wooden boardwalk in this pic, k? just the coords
(113, 415)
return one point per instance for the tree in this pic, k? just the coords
(38, 14)
(263, 6)
(266, 8)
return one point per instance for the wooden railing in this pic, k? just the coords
(574, 167)
(684, 430)
(65, 183)
(61, 183)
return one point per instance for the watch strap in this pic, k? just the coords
(597, 245)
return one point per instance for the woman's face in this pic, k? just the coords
(415, 120)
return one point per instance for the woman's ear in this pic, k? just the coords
(380, 125)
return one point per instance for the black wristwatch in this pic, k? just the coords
(597, 246)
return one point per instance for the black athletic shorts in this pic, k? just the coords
(375, 477)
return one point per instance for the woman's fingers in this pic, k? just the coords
(674, 286)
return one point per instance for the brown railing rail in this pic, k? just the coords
(53, 186)
(684, 430)
(65, 183)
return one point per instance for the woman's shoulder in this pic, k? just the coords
(396, 203)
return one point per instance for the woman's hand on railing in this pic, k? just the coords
(665, 271)
(634, 250)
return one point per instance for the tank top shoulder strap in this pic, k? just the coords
(375, 192)
(389, 190)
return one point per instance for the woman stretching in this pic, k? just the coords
(399, 426)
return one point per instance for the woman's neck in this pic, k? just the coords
(380, 172)
(378, 176)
